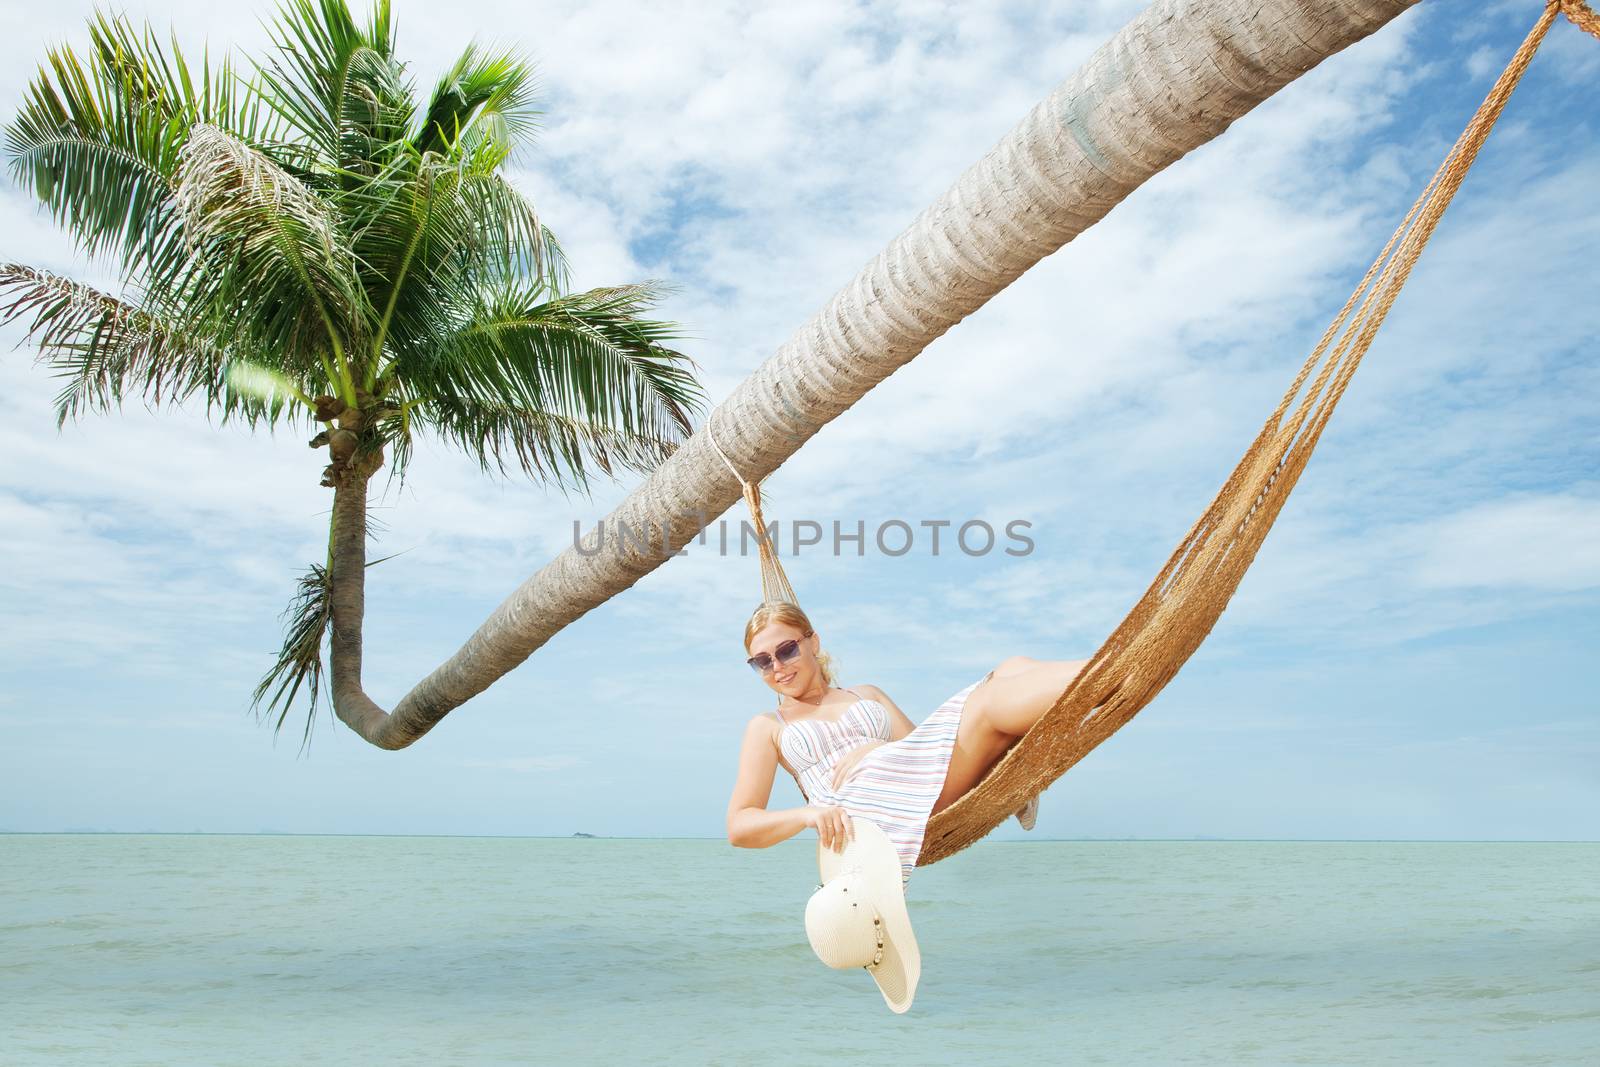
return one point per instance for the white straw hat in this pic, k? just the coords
(857, 917)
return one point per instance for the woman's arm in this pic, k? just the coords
(750, 825)
(899, 724)
(759, 828)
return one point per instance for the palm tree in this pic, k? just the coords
(1171, 80)
(310, 242)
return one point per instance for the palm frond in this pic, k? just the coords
(266, 253)
(515, 247)
(483, 98)
(586, 360)
(97, 140)
(418, 247)
(299, 662)
(107, 350)
(338, 85)
(547, 447)
(434, 238)
(591, 353)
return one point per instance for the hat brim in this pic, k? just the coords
(870, 849)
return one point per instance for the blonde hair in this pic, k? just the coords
(782, 611)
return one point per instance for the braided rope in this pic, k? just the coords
(774, 582)
(1184, 602)
(1581, 15)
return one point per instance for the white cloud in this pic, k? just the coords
(1484, 62)
(755, 159)
(1536, 541)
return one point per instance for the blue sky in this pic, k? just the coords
(1408, 658)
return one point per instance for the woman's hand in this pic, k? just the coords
(848, 761)
(833, 824)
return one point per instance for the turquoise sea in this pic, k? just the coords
(259, 950)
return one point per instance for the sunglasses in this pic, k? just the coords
(787, 651)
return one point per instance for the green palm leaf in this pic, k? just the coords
(549, 447)
(587, 358)
(267, 254)
(337, 85)
(482, 98)
(98, 140)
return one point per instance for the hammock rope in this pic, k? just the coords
(774, 583)
(1183, 603)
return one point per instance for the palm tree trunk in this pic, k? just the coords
(347, 584)
(1168, 82)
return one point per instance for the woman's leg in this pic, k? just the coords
(999, 711)
(1021, 691)
(1015, 665)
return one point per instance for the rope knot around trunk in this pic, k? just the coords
(774, 582)
(1579, 14)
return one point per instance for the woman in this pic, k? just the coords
(854, 752)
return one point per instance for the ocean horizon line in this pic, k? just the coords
(581, 836)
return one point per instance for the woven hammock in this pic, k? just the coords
(1185, 600)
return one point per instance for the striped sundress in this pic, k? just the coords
(895, 784)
